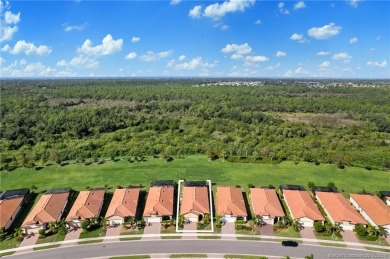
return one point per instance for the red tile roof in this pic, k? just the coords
(265, 202)
(124, 203)
(374, 207)
(230, 201)
(87, 205)
(159, 202)
(302, 205)
(8, 208)
(339, 208)
(195, 200)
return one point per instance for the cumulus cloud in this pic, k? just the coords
(377, 64)
(135, 39)
(256, 59)
(69, 28)
(109, 46)
(190, 65)
(341, 56)
(174, 2)
(353, 3)
(80, 61)
(196, 12)
(27, 48)
(298, 37)
(131, 55)
(9, 22)
(182, 57)
(324, 32)
(219, 10)
(282, 8)
(151, 56)
(299, 5)
(323, 53)
(2, 60)
(280, 54)
(325, 64)
(301, 71)
(237, 49)
(353, 40)
(22, 69)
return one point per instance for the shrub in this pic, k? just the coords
(340, 165)
(371, 238)
(19, 239)
(251, 185)
(319, 227)
(361, 230)
(240, 222)
(310, 184)
(242, 227)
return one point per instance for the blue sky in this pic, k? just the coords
(231, 38)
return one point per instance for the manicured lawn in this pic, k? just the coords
(5, 254)
(245, 256)
(288, 232)
(332, 244)
(249, 238)
(132, 232)
(380, 241)
(99, 232)
(351, 179)
(188, 256)
(325, 237)
(130, 238)
(52, 238)
(45, 247)
(131, 257)
(90, 242)
(378, 249)
(8, 243)
(255, 229)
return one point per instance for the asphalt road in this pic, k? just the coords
(196, 246)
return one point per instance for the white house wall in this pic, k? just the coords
(364, 214)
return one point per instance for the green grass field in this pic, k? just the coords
(78, 177)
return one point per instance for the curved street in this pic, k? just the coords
(270, 248)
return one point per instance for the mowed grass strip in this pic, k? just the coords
(350, 179)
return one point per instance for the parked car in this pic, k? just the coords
(290, 243)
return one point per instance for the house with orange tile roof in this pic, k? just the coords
(9, 210)
(123, 206)
(339, 210)
(49, 208)
(230, 204)
(87, 205)
(385, 195)
(265, 204)
(373, 209)
(194, 203)
(159, 204)
(302, 207)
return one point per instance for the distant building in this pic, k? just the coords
(339, 210)
(373, 209)
(195, 203)
(49, 208)
(230, 204)
(159, 204)
(123, 205)
(266, 204)
(87, 205)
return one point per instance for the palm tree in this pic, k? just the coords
(337, 228)
(382, 231)
(373, 231)
(286, 221)
(259, 221)
(52, 226)
(18, 232)
(61, 226)
(297, 225)
(104, 223)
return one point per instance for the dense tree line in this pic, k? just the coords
(59, 120)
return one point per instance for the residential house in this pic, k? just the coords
(266, 204)
(230, 204)
(123, 206)
(11, 203)
(194, 203)
(87, 205)
(385, 195)
(373, 209)
(159, 204)
(49, 208)
(339, 210)
(302, 207)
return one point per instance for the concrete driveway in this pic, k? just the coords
(308, 232)
(28, 241)
(73, 234)
(113, 231)
(349, 236)
(228, 228)
(153, 228)
(191, 226)
(267, 230)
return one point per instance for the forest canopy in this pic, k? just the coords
(61, 120)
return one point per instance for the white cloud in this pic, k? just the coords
(341, 56)
(377, 64)
(323, 53)
(175, 2)
(237, 49)
(324, 32)
(182, 57)
(256, 59)
(22, 69)
(298, 37)
(135, 39)
(299, 5)
(150, 56)
(283, 10)
(2, 60)
(9, 24)
(131, 55)
(27, 48)
(190, 65)
(236, 56)
(109, 46)
(280, 54)
(325, 64)
(258, 22)
(68, 28)
(224, 27)
(196, 12)
(353, 3)
(80, 61)
(301, 71)
(353, 40)
(218, 10)
(274, 67)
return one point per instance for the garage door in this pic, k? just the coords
(230, 219)
(151, 220)
(115, 222)
(32, 231)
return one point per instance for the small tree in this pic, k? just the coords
(85, 225)
(310, 185)
(331, 185)
(319, 227)
(42, 233)
(104, 223)
(382, 231)
(2, 233)
(361, 230)
(297, 226)
(52, 226)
